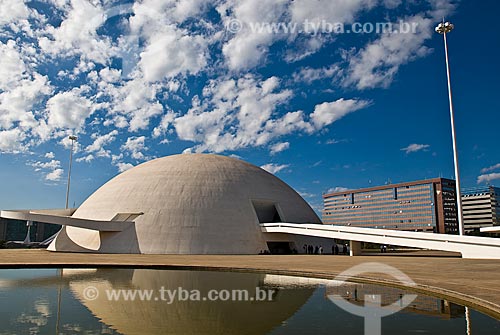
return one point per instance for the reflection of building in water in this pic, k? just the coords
(187, 317)
(355, 293)
(257, 316)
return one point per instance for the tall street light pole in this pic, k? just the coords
(73, 139)
(444, 28)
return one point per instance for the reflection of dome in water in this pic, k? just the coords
(192, 204)
(188, 317)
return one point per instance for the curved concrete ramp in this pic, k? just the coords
(468, 246)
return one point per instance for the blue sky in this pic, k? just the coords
(323, 111)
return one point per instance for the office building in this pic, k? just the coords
(481, 208)
(425, 205)
(16, 230)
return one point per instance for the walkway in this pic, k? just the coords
(468, 246)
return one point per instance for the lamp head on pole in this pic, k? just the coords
(73, 137)
(444, 28)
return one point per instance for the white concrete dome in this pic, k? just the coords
(192, 204)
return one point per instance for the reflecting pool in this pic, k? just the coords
(149, 301)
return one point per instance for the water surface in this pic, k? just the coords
(95, 301)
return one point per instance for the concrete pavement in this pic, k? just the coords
(471, 282)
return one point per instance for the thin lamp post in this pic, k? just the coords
(73, 139)
(444, 28)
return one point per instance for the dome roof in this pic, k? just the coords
(192, 204)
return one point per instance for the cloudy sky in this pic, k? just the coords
(286, 85)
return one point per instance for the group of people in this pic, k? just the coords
(342, 250)
(318, 250)
(313, 250)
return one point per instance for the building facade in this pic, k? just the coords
(184, 204)
(481, 208)
(425, 205)
(16, 230)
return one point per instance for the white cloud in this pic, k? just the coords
(316, 14)
(333, 141)
(122, 167)
(11, 141)
(50, 155)
(68, 110)
(135, 146)
(278, 147)
(12, 11)
(415, 147)
(52, 165)
(77, 34)
(149, 13)
(247, 48)
(305, 46)
(100, 141)
(328, 112)
(491, 168)
(12, 67)
(376, 64)
(236, 114)
(328, 10)
(310, 75)
(337, 189)
(141, 117)
(274, 168)
(487, 178)
(16, 103)
(163, 126)
(243, 113)
(20, 88)
(307, 194)
(169, 50)
(110, 75)
(133, 104)
(87, 159)
(55, 175)
(171, 53)
(316, 164)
